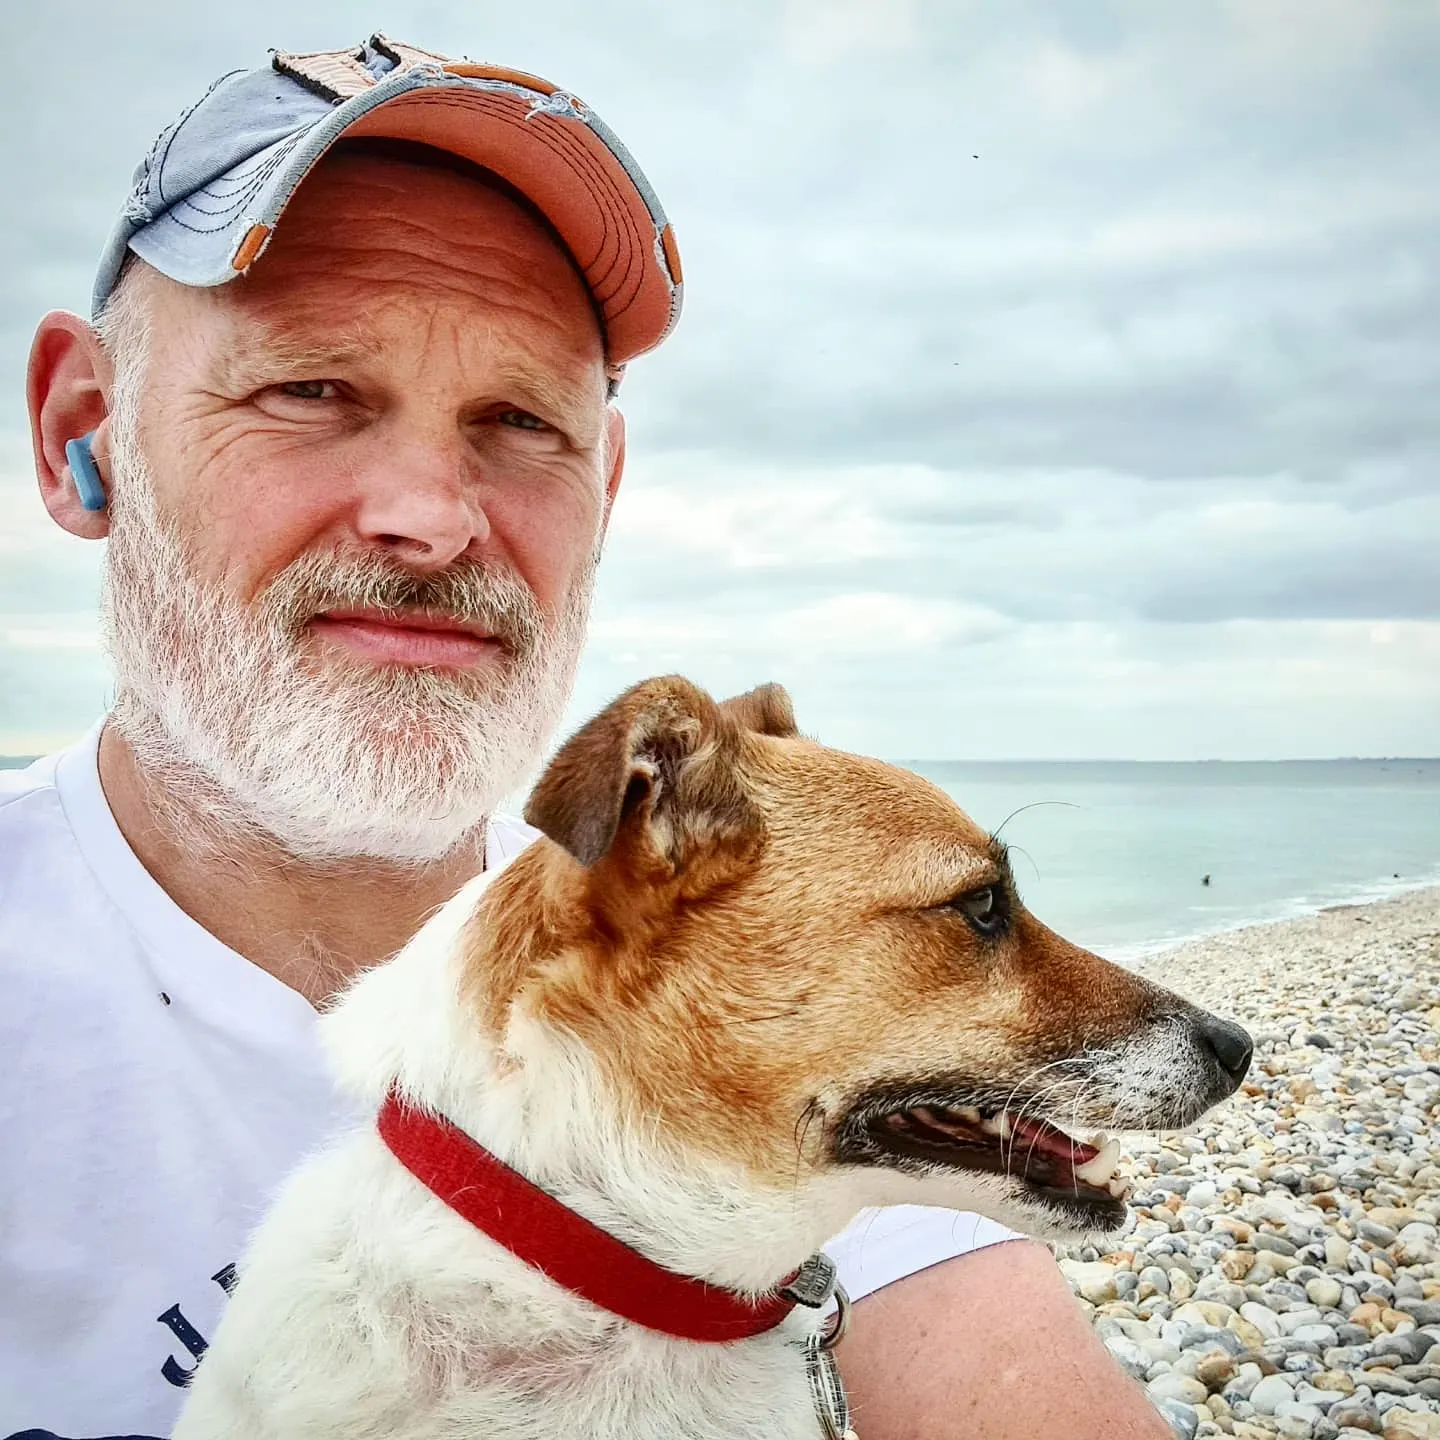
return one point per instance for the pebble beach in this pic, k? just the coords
(1280, 1273)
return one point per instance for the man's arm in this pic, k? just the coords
(987, 1346)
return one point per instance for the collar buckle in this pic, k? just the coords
(813, 1283)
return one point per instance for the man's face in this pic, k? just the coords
(356, 524)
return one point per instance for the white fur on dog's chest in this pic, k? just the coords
(374, 1313)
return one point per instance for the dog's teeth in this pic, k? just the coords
(1003, 1128)
(968, 1113)
(1097, 1171)
(1118, 1187)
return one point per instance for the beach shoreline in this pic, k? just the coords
(1281, 1270)
(1136, 955)
(1228, 966)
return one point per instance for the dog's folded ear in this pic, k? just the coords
(766, 709)
(655, 774)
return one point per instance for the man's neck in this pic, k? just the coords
(312, 925)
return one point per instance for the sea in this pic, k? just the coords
(1130, 857)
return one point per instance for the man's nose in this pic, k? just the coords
(1230, 1044)
(422, 503)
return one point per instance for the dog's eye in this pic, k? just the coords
(984, 909)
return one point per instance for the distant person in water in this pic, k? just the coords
(345, 414)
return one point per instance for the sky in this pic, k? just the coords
(1055, 380)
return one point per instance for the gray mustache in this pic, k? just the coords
(469, 593)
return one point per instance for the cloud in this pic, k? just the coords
(1055, 378)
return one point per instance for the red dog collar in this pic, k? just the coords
(574, 1253)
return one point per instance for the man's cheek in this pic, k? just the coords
(550, 542)
(251, 555)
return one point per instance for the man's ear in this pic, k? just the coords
(653, 775)
(766, 709)
(67, 384)
(615, 451)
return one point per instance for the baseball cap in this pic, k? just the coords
(207, 198)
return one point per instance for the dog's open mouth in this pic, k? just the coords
(1073, 1175)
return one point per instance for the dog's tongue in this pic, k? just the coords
(1086, 1165)
(1039, 1136)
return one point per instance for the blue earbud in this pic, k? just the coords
(82, 469)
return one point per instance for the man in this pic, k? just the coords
(347, 400)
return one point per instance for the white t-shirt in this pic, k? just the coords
(156, 1088)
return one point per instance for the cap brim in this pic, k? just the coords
(550, 148)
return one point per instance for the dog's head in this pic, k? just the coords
(808, 963)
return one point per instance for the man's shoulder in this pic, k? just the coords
(31, 812)
(49, 893)
(20, 784)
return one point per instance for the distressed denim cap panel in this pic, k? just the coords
(208, 197)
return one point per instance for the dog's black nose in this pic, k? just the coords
(1231, 1044)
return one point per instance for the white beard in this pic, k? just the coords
(234, 712)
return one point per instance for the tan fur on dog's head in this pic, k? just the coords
(798, 960)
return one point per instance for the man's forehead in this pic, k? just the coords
(377, 213)
(298, 315)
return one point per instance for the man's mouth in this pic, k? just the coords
(405, 637)
(1074, 1176)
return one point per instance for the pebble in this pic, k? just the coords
(1410, 1425)
(1091, 1280)
(1176, 1387)
(1131, 1356)
(1184, 1420)
(1363, 1417)
(1264, 1319)
(1280, 1275)
(1215, 1371)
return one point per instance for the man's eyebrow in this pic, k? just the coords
(576, 403)
(261, 353)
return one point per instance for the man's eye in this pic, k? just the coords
(308, 389)
(521, 420)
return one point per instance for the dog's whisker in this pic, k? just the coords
(1036, 1105)
(808, 1116)
(1008, 1143)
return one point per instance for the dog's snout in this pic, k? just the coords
(1230, 1043)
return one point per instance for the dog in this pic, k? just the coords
(744, 987)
